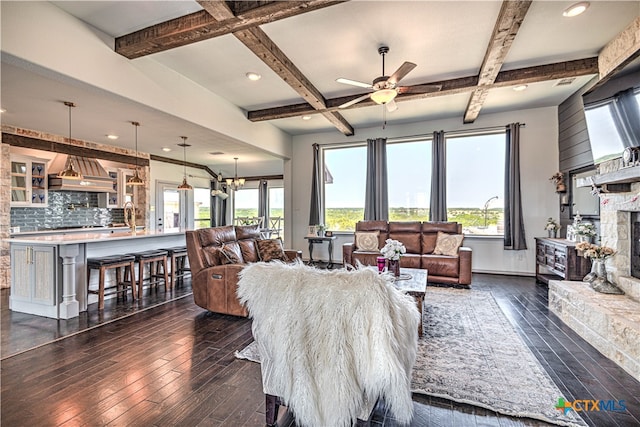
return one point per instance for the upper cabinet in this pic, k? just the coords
(122, 192)
(28, 182)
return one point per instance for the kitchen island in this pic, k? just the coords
(49, 274)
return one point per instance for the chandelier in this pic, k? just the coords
(236, 182)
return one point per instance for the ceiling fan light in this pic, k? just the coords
(383, 96)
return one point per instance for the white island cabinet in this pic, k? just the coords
(49, 273)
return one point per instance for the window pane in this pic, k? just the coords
(276, 210)
(409, 182)
(201, 208)
(475, 183)
(344, 187)
(604, 136)
(246, 202)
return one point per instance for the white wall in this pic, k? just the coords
(538, 158)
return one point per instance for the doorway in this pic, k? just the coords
(172, 208)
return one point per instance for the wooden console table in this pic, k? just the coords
(557, 259)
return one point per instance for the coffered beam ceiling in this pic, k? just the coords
(510, 18)
(243, 18)
(268, 52)
(201, 25)
(528, 75)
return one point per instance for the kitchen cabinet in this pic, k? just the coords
(33, 271)
(121, 193)
(557, 259)
(29, 182)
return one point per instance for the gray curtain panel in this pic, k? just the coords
(627, 106)
(218, 206)
(315, 207)
(514, 237)
(263, 201)
(376, 201)
(438, 204)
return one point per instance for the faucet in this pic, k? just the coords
(130, 216)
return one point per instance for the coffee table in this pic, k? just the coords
(413, 281)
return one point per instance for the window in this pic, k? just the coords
(276, 207)
(475, 182)
(345, 171)
(246, 202)
(201, 208)
(409, 182)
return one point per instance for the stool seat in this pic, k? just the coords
(103, 264)
(109, 260)
(153, 253)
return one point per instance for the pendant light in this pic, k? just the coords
(70, 172)
(235, 183)
(185, 185)
(135, 179)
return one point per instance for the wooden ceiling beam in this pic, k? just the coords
(202, 25)
(268, 52)
(540, 73)
(510, 18)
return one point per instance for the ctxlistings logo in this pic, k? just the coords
(590, 405)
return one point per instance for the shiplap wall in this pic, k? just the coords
(573, 139)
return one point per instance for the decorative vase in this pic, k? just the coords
(394, 267)
(583, 238)
(552, 233)
(600, 283)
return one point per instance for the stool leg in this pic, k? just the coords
(140, 278)
(119, 285)
(132, 281)
(173, 271)
(166, 275)
(101, 289)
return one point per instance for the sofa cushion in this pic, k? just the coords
(447, 244)
(212, 256)
(231, 251)
(249, 250)
(441, 265)
(271, 249)
(411, 241)
(216, 236)
(248, 232)
(367, 240)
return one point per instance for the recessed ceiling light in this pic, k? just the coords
(2, 110)
(111, 136)
(575, 9)
(520, 88)
(253, 76)
(166, 149)
(306, 117)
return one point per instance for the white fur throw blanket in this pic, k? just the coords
(332, 342)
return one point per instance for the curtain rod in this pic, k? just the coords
(404, 138)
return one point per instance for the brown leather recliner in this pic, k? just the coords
(213, 278)
(419, 239)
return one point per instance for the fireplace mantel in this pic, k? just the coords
(618, 181)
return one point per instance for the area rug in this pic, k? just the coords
(471, 354)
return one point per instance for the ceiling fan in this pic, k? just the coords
(385, 88)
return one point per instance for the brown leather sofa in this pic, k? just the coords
(214, 277)
(419, 238)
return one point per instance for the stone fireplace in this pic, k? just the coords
(611, 323)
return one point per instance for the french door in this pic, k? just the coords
(173, 212)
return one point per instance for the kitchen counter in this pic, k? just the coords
(46, 231)
(49, 273)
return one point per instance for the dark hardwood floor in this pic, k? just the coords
(173, 364)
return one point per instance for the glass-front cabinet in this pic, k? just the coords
(29, 182)
(122, 192)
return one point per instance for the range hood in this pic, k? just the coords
(95, 177)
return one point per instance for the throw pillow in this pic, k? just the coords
(448, 244)
(271, 249)
(367, 240)
(230, 255)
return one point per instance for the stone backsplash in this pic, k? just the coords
(65, 209)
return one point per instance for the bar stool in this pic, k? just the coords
(154, 258)
(104, 264)
(178, 261)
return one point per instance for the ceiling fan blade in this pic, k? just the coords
(419, 89)
(354, 101)
(354, 83)
(391, 106)
(401, 72)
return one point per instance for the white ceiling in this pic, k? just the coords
(446, 39)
